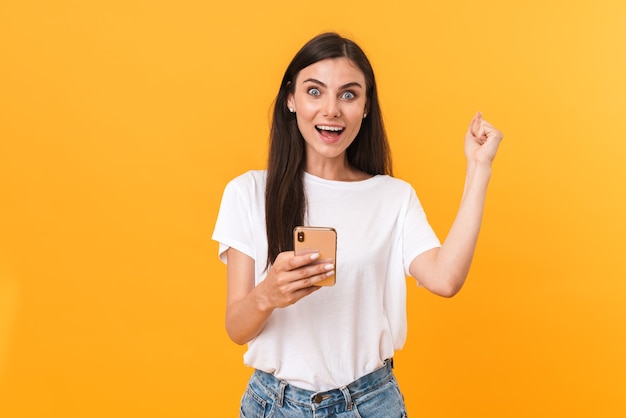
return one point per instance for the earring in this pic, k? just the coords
(291, 110)
(364, 115)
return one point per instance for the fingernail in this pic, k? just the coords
(329, 266)
(330, 273)
(315, 256)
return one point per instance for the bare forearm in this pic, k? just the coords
(248, 306)
(443, 270)
(455, 256)
(246, 318)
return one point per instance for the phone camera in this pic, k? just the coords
(300, 236)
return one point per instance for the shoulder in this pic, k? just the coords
(396, 191)
(245, 188)
(394, 184)
(250, 180)
(244, 191)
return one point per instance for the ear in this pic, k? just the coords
(290, 101)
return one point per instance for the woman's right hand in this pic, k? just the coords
(290, 278)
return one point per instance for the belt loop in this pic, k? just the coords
(391, 362)
(346, 395)
(281, 393)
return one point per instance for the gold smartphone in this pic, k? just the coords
(309, 239)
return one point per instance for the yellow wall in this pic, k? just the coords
(121, 122)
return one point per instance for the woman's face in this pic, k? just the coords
(329, 99)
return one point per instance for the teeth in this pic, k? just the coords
(329, 128)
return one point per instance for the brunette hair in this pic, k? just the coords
(285, 203)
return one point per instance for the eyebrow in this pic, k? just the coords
(345, 86)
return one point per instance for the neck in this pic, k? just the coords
(335, 169)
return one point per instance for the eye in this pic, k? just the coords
(314, 92)
(348, 95)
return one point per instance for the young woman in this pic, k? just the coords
(327, 351)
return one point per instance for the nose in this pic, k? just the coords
(331, 108)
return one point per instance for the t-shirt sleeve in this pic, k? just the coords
(233, 225)
(418, 235)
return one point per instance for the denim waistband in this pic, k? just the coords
(282, 391)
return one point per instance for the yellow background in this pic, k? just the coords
(122, 121)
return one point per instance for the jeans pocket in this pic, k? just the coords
(253, 405)
(386, 401)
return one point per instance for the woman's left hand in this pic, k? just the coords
(482, 140)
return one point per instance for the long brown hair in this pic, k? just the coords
(285, 202)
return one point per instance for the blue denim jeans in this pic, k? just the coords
(375, 395)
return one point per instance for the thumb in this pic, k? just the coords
(474, 126)
(477, 128)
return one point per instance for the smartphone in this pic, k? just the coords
(310, 239)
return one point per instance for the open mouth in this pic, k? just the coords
(329, 131)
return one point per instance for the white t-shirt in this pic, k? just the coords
(337, 334)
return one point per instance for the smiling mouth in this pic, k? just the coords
(329, 131)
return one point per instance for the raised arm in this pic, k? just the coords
(443, 270)
(248, 306)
